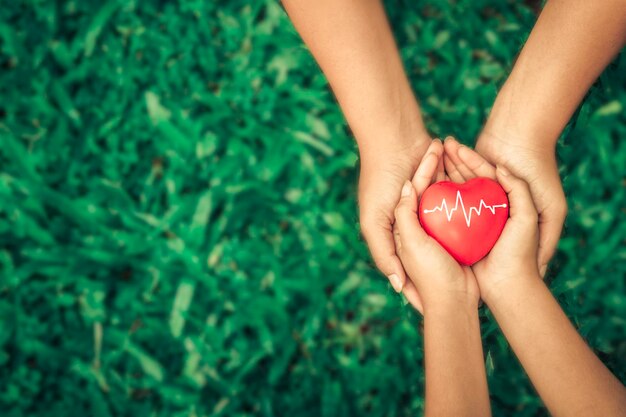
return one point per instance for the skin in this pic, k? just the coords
(456, 384)
(570, 45)
(352, 42)
(570, 379)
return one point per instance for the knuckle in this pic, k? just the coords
(379, 264)
(383, 264)
(372, 225)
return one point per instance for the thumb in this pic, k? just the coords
(407, 222)
(521, 206)
(550, 227)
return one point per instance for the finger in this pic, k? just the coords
(521, 206)
(441, 171)
(409, 290)
(380, 241)
(406, 210)
(550, 227)
(426, 170)
(435, 146)
(451, 160)
(476, 163)
(407, 222)
(396, 237)
(453, 173)
(440, 174)
(413, 297)
(452, 148)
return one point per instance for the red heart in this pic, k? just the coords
(466, 219)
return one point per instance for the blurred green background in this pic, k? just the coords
(178, 223)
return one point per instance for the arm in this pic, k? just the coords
(570, 379)
(570, 45)
(353, 44)
(456, 383)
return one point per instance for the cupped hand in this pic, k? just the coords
(538, 168)
(515, 253)
(514, 256)
(435, 274)
(381, 178)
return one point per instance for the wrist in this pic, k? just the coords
(508, 124)
(503, 291)
(497, 137)
(453, 315)
(400, 132)
(392, 145)
(451, 303)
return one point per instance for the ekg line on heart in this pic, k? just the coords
(467, 215)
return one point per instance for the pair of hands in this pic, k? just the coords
(436, 277)
(383, 174)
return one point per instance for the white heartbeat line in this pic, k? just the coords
(468, 216)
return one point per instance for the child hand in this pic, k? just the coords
(515, 253)
(514, 256)
(438, 278)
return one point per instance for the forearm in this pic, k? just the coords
(570, 379)
(352, 42)
(570, 45)
(456, 384)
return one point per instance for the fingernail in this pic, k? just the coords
(502, 170)
(406, 189)
(437, 140)
(395, 282)
(543, 270)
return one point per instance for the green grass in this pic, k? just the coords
(178, 227)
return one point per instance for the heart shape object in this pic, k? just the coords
(466, 219)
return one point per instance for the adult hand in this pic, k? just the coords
(535, 165)
(381, 179)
